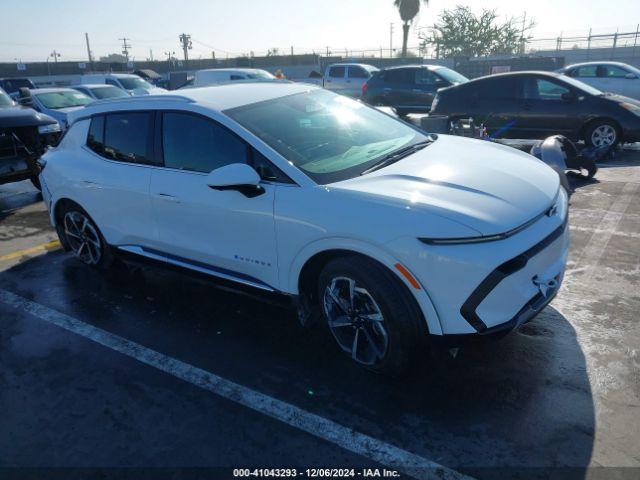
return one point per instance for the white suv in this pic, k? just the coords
(387, 233)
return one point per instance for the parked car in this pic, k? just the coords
(101, 91)
(347, 78)
(133, 84)
(614, 77)
(24, 135)
(12, 86)
(151, 76)
(410, 88)
(540, 104)
(55, 102)
(214, 76)
(388, 233)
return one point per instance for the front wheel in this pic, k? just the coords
(371, 316)
(80, 234)
(602, 133)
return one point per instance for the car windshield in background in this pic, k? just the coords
(260, 76)
(131, 83)
(108, 92)
(581, 85)
(58, 100)
(451, 75)
(329, 137)
(5, 101)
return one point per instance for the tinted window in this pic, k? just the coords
(63, 99)
(498, 88)
(400, 75)
(587, 71)
(336, 72)
(109, 92)
(197, 144)
(425, 77)
(126, 136)
(109, 81)
(541, 89)
(237, 77)
(266, 169)
(357, 72)
(615, 72)
(95, 139)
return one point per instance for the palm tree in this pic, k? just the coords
(408, 11)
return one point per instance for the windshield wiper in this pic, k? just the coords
(397, 155)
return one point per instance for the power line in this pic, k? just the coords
(125, 47)
(185, 41)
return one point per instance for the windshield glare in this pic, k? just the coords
(58, 100)
(581, 85)
(329, 137)
(451, 75)
(108, 92)
(131, 83)
(260, 75)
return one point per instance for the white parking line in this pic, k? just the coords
(345, 437)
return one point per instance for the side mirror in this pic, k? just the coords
(568, 97)
(631, 76)
(236, 176)
(25, 101)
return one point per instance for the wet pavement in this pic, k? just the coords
(559, 398)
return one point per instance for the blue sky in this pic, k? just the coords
(239, 26)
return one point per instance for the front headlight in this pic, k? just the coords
(562, 204)
(635, 109)
(46, 129)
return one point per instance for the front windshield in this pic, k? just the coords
(108, 92)
(5, 101)
(329, 137)
(581, 85)
(451, 75)
(131, 83)
(64, 99)
(260, 75)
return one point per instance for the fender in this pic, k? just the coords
(291, 279)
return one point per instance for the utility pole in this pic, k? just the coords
(86, 38)
(391, 40)
(185, 41)
(125, 47)
(151, 55)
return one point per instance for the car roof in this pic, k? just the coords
(586, 64)
(216, 97)
(229, 70)
(415, 65)
(117, 75)
(52, 90)
(94, 85)
(350, 64)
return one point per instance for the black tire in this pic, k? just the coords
(597, 124)
(97, 255)
(402, 318)
(35, 180)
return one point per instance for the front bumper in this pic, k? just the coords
(487, 288)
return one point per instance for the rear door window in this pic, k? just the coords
(400, 75)
(357, 72)
(198, 144)
(588, 71)
(542, 89)
(337, 72)
(425, 77)
(127, 136)
(95, 138)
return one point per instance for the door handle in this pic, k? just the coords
(168, 198)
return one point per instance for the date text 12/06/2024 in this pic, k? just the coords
(316, 473)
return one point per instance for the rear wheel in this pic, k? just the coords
(81, 235)
(369, 313)
(602, 133)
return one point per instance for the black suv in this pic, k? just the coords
(410, 88)
(24, 135)
(12, 86)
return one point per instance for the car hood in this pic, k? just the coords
(488, 187)
(13, 117)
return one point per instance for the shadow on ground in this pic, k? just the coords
(518, 408)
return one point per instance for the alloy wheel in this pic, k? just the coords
(355, 320)
(82, 237)
(603, 136)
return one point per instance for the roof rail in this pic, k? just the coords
(146, 98)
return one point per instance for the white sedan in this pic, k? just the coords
(387, 234)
